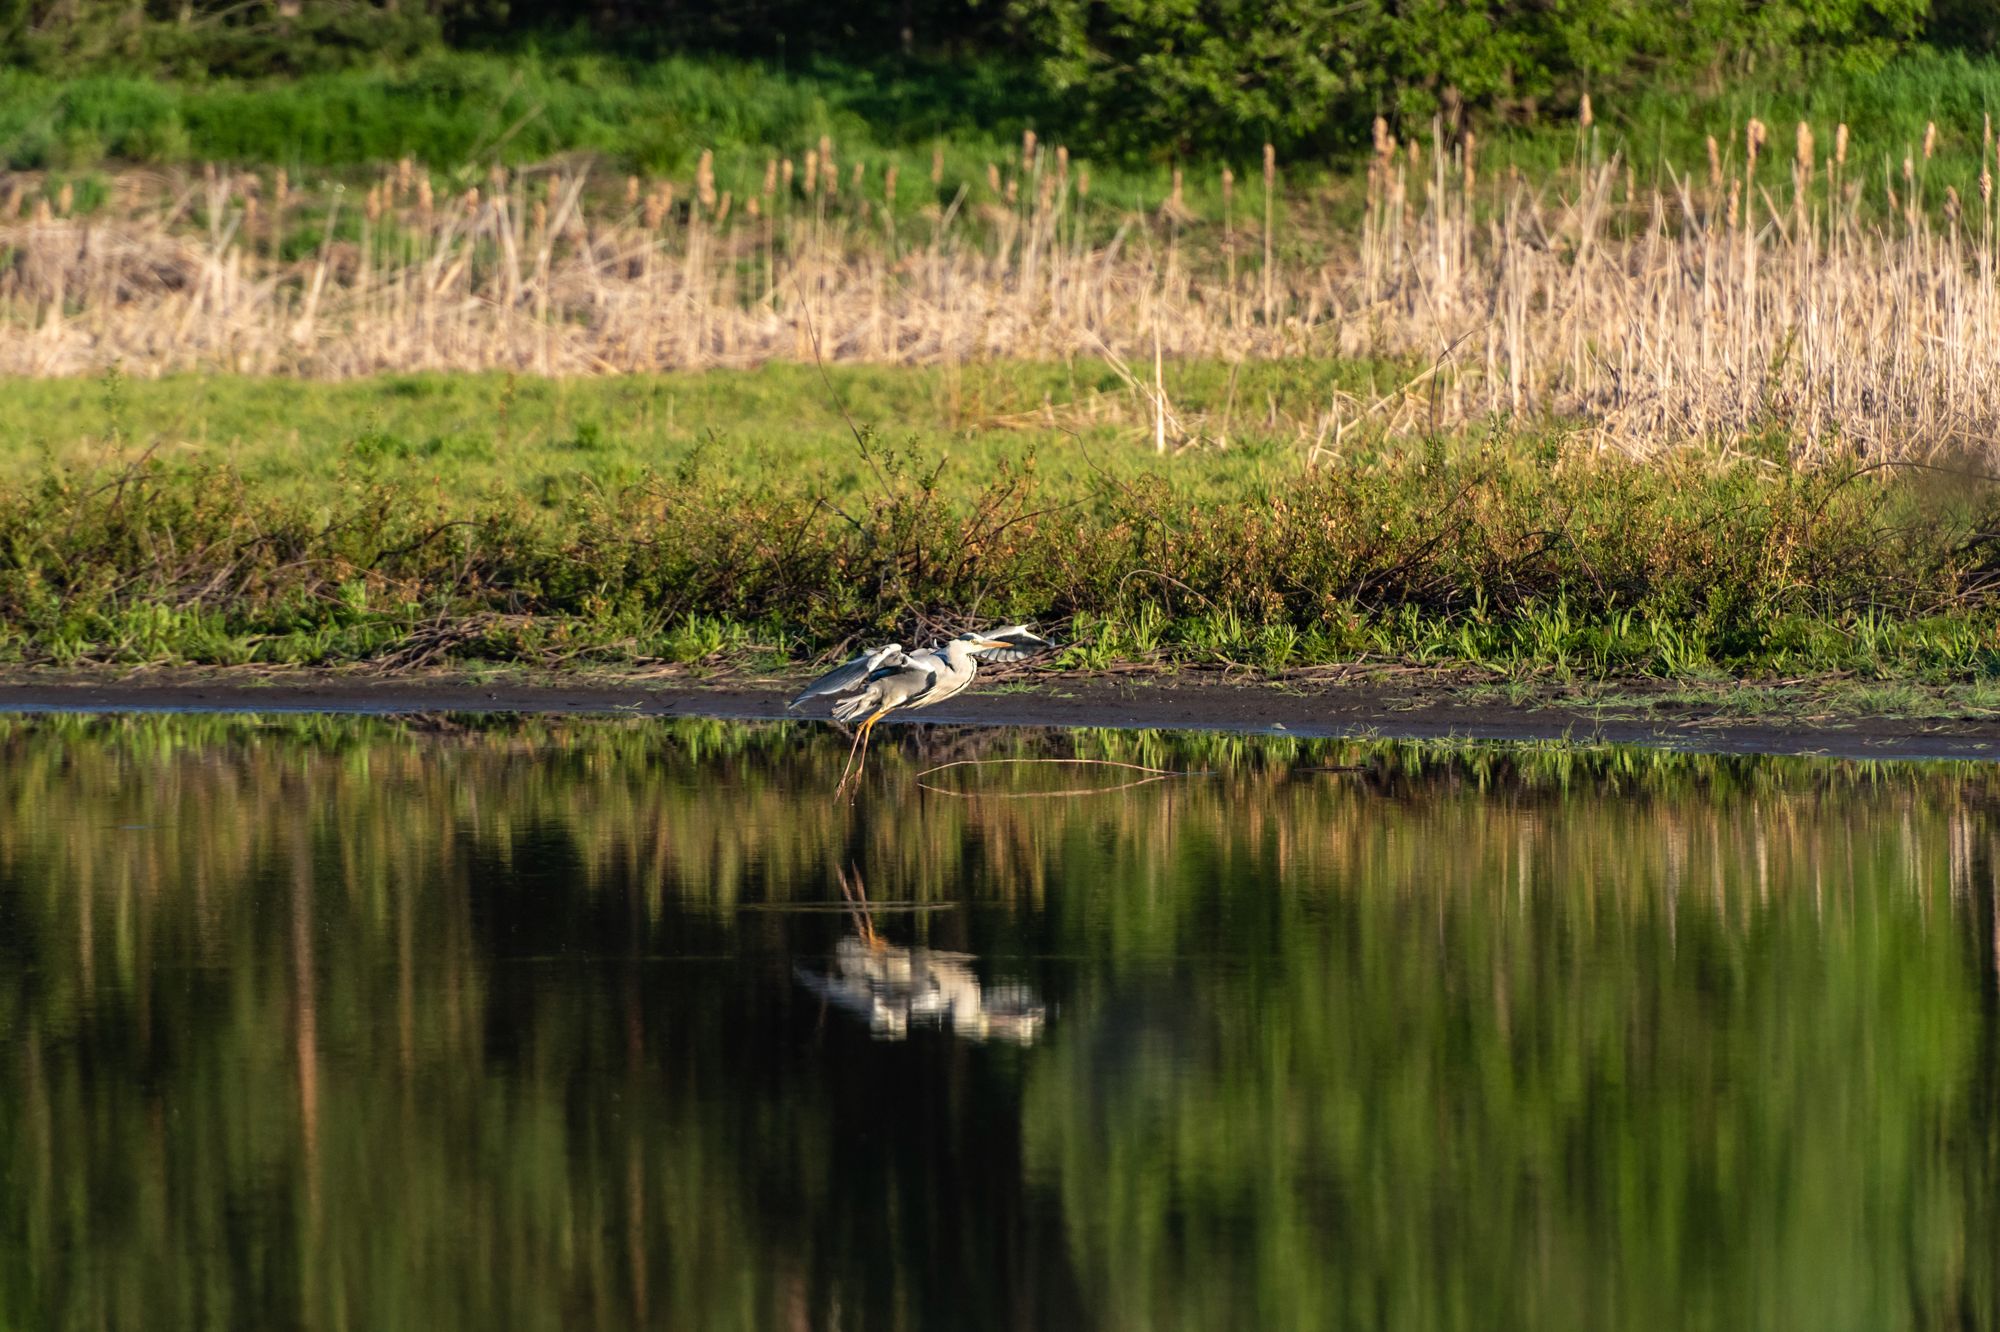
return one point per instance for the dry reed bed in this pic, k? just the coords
(1750, 297)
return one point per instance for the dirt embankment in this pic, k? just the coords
(1802, 722)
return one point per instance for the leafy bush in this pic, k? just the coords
(198, 38)
(1452, 555)
(1312, 73)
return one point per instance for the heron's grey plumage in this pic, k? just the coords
(846, 676)
(900, 682)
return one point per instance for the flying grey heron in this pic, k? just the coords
(888, 679)
(1004, 646)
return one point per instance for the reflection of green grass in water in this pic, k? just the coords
(1485, 1036)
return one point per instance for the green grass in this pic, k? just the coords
(451, 109)
(1887, 111)
(729, 519)
(469, 434)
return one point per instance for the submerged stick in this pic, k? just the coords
(1157, 774)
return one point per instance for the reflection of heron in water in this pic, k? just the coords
(891, 987)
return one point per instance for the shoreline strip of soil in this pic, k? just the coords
(1180, 702)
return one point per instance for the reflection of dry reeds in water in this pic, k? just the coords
(1734, 298)
(716, 816)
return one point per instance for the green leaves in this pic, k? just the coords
(1164, 77)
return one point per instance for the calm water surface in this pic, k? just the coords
(435, 1024)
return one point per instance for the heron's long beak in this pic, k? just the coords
(996, 643)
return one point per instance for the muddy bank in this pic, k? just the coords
(1187, 700)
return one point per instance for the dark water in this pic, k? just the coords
(359, 1024)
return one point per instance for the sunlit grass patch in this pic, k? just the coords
(1509, 556)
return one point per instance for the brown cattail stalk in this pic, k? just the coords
(704, 179)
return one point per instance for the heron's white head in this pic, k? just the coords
(968, 643)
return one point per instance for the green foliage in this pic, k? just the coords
(1309, 74)
(205, 38)
(459, 109)
(346, 81)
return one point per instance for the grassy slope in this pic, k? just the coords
(590, 529)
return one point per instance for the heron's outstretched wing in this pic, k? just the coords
(1022, 643)
(850, 675)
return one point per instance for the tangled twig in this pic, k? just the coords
(1156, 775)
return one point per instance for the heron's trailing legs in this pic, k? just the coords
(852, 772)
(847, 769)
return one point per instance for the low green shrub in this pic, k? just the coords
(1477, 556)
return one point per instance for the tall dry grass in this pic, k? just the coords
(1753, 294)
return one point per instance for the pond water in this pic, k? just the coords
(437, 1023)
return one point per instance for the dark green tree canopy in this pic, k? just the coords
(1177, 74)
